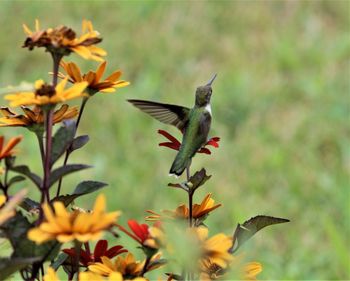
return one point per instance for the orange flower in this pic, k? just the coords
(199, 212)
(34, 116)
(94, 78)
(7, 150)
(63, 40)
(46, 94)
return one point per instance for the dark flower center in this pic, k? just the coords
(46, 90)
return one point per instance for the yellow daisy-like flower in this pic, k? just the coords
(51, 275)
(215, 249)
(127, 266)
(63, 40)
(199, 211)
(7, 150)
(64, 226)
(8, 210)
(35, 116)
(46, 94)
(94, 78)
(114, 276)
(251, 270)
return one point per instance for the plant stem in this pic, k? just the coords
(68, 151)
(41, 147)
(77, 246)
(144, 269)
(190, 198)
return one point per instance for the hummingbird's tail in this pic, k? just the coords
(180, 163)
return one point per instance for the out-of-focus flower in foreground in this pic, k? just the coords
(199, 211)
(173, 143)
(7, 150)
(101, 249)
(46, 94)
(63, 40)
(93, 78)
(64, 226)
(35, 116)
(7, 209)
(51, 275)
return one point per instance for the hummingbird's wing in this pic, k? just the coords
(167, 113)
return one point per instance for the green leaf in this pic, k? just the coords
(79, 142)
(29, 205)
(59, 261)
(197, 180)
(16, 229)
(62, 140)
(15, 179)
(24, 170)
(9, 266)
(246, 230)
(65, 170)
(82, 188)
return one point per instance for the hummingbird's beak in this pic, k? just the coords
(211, 80)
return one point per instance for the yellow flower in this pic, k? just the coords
(34, 116)
(215, 249)
(94, 78)
(251, 270)
(45, 94)
(51, 275)
(127, 266)
(63, 40)
(8, 210)
(8, 151)
(64, 226)
(199, 211)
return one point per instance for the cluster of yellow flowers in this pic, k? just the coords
(57, 223)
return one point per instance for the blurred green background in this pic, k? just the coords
(280, 105)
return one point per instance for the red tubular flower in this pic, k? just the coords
(101, 250)
(173, 143)
(140, 231)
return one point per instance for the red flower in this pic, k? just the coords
(173, 143)
(140, 231)
(101, 249)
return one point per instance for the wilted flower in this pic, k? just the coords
(127, 266)
(173, 143)
(93, 78)
(199, 211)
(101, 249)
(46, 94)
(63, 40)
(7, 150)
(64, 226)
(35, 116)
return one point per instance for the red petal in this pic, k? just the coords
(171, 145)
(213, 142)
(130, 234)
(100, 249)
(69, 252)
(114, 251)
(168, 136)
(204, 150)
(141, 231)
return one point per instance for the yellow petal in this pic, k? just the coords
(100, 71)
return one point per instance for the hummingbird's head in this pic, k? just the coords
(203, 93)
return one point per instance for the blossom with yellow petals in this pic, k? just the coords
(114, 276)
(63, 40)
(64, 226)
(46, 94)
(51, 275)
(93, 78)
(35, 116)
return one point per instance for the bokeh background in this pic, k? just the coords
(280, 105)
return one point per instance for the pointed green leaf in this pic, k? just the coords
(82, 188)
(62, 140)
(79, 142)
(15, 179)
(61, 258)
(246, 230)
(24, 170)
(65, 170)
(9, 266)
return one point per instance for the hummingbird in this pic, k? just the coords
(193, 122)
